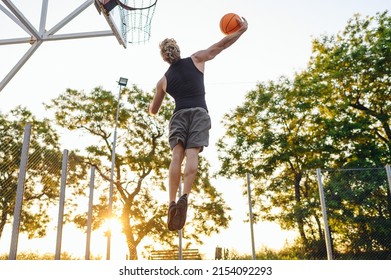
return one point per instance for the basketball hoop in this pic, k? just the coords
(135, 18)
(141, 5)
(140, 18)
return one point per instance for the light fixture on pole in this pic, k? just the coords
(122, 83)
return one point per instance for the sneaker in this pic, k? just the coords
(170, 217)
(179, 219)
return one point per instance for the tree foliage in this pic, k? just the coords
(335, 113)
(356, 67)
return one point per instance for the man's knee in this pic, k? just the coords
(178, 152)
(192, 161)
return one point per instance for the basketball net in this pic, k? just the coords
(136, 17)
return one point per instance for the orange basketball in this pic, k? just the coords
(229, 23)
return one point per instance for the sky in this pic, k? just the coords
(277, 43)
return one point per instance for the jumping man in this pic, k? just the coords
(190, 122)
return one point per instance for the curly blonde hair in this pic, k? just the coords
(170, 51)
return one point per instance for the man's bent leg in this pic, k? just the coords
(174, 173)
(190, 173)
(173, 184)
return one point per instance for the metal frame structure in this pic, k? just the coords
(38, 36)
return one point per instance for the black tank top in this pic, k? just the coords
(185, 83)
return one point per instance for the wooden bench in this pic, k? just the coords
(187, 254)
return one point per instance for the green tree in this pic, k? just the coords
(356, 65)
(335, 113)
(276, 137)
(43, 171)
(141, 163)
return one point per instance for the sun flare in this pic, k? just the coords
(112, 225)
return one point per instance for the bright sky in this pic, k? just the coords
(278, 42)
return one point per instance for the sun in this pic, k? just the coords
(112, 225)
(118, 248)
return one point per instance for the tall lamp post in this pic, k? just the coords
(122, 83)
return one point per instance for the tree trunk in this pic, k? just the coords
(298, 214)
(131, 246)
(127, 228)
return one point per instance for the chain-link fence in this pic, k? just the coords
(357, 212)
(29, 182)
(53, 198)
(54, 204)
(10, 153)
(42, 189)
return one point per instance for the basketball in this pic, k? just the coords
(229, 23)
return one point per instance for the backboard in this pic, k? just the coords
(115, 17)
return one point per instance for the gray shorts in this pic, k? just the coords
(191, 127)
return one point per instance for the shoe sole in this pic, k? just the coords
(172, 211)
(179, 219)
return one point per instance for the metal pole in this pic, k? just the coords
(89, 219)
(251, 216)
(14, 19)
(62, 203)
(70, 17)
(21, 18)
(108, 248)
(180, 255)
(19, 64)
(44, 13)
(324, 212)
(388, 171)
(20, 192)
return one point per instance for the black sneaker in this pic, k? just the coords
(179, 219)
(171, 214)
